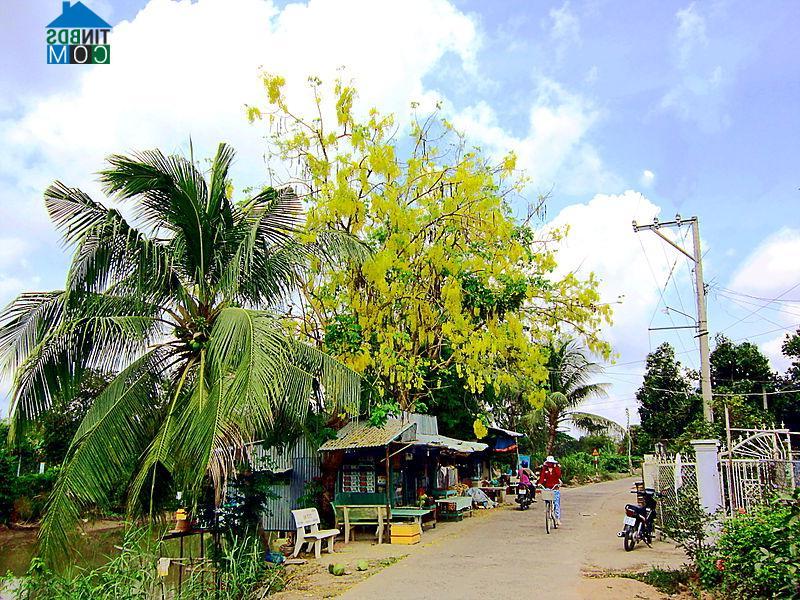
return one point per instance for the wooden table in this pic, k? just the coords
(410, 513)
(463, 504)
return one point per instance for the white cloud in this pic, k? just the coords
(647, 178)
(565, 29)
(697, 93)
(691, 32)
(555, 149)
(772, 350)
(182, 68)
(12, 251)
(601, 240)
(772, 268)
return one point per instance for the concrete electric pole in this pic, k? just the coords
(702, 318)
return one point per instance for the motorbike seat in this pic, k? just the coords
(636, 508)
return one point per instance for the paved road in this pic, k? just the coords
(512, 549)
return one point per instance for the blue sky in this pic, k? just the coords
(621, 110)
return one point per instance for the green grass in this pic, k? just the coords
(668, 581)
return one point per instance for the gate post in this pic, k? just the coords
(707, 466)
(649, 469)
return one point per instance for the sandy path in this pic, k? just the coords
(509, 552)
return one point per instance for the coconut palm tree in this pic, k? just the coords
(181, 297)
(569, 385)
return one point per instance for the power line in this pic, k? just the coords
(730, 291)
(747, 337)
(739, 303)
(756, 310)
(720, 293)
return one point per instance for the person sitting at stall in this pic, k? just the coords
(550, 478)
(525, 476)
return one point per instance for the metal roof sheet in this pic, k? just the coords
(426, 424)
(363, 435)
(508, 432)
(442, 441)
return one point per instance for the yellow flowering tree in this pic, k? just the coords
(457, 292)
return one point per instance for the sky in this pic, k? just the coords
(620, 111)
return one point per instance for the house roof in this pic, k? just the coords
(363, 435)
(448, 443)
(78, 16)
(426, 424)
(280, 459)
(507, 432)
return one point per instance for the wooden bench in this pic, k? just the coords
(371, 516)
(351, 516)
(308, 531)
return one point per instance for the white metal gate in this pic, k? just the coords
(756, 465)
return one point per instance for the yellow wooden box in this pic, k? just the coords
(406, 540)
(405, 529)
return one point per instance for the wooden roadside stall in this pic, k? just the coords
(365, 488)
(395, 474)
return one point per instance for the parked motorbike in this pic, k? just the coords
(525, 496)
(639, 522)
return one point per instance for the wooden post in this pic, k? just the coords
(388, 490)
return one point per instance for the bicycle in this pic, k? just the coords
(548, 495)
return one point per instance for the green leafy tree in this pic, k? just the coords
(181, 300)
(569, 384)
(741, 369)
(57, 425)
(667, 399)
(787, 404)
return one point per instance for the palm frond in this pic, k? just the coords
(97, 331)
(340, 385)
(110, 434)
(24, 322)
(108, 249)
(595, 423)
(171, 195)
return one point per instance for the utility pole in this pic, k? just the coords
(702, 317)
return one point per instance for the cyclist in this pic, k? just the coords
(550, 478)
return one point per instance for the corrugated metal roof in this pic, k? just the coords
(363, 435)
(280, 459)
(442, 441)
(426, 424)
(508, 432)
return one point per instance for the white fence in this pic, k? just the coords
(670, 474)
(758, 466)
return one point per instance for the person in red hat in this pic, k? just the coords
(550, 478)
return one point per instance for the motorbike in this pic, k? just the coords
(639, 522)
(525, 496)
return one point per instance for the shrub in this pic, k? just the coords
(614, 463)
(239, 571)
(760, 552)
(689, 525)
(7, 488)
(577, 467)
(32, 491)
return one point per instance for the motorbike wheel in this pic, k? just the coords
(629, 541)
